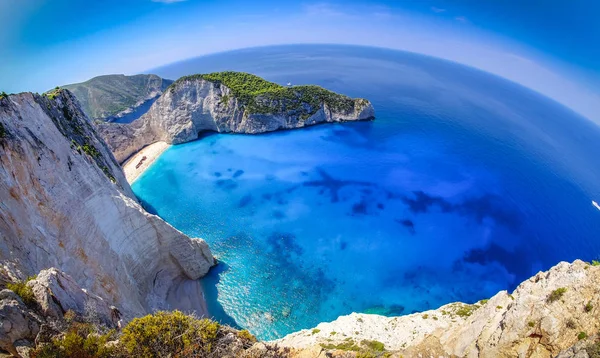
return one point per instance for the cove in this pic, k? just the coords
(464, 185)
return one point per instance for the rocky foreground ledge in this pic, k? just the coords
(552, 313)
(230, 102)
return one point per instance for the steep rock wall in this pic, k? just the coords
(65, 203)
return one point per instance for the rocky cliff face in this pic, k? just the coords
(543, 317)
(193, 105)
(65, 203)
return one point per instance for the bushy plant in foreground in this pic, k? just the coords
(169, 333)
(24, 291)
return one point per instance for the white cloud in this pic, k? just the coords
(461, 19)
(437, 9)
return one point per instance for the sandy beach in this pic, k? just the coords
(141, 160)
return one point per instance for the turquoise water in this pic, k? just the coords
(464, 185)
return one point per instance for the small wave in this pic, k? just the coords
(596, 205)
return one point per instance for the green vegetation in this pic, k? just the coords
(556, 294)
(2, 131)
(595, 263)
(348, 345)
(466, 310)
(163, 334)
(82, 340)
(315, 330)
(167, 333)
(483, 302)
(332, 333)
(260, 96)
(373, 345)
(24, 291)
(582, 335)
(365, 349)
(425, 316)
(588, 307)
(52, 94)
(90, 150)
(246, 336)
(3, 95)
(498, 307)
(531, 324)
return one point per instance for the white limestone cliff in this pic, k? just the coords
(194, 105)
(65, 203)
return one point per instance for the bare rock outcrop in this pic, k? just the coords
(194, 104)
(65, 203)
(17, 322)
(57, 293)
(543, 317)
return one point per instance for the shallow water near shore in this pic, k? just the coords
(464, 185)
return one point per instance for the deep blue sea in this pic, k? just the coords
(464, 185)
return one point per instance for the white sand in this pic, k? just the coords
(141, 160)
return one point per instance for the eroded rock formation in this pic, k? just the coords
(65, 203)
(193, 105)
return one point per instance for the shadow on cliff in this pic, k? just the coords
(211, 293)
(147, 206)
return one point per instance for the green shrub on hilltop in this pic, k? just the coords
(3, 95)
(258, 95)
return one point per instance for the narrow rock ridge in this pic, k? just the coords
(542, 317)
(65, 203)
(193, 105)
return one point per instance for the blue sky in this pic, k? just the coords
(548, 45)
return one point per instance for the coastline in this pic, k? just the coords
(140, 161)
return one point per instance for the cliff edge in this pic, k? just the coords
(65, 203)
(230, 102)
(546, 316)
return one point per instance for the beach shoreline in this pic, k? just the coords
(140, 161)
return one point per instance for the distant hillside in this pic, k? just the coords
(112, 97)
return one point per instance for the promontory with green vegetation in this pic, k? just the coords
(231, 102)
(110, 97)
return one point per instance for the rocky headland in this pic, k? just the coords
(230, 102)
